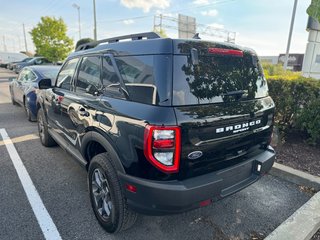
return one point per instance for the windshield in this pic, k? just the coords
(50, 73)
(217, 78)
(26, 59)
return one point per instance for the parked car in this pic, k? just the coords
(33, 61)
(24, 89)
(163, 126)
(11, 65)
(7, 57)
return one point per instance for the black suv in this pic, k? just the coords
(162, 125)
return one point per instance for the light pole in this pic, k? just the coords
(290, 34)
(94, 21)
(25, 38)
(78, 8)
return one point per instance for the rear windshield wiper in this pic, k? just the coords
(239, 93)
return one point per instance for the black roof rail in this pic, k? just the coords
(138, 36)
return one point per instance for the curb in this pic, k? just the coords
(295, 176)
(304, 222)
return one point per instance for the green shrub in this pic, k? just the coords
(297, 102)
(277, 72)
(309, 120)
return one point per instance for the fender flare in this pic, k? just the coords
(97, 137)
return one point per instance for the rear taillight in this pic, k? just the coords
(162, 146)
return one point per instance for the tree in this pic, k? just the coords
(51, 40)
(162, 33)
(314, 10)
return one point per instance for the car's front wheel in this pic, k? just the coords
(106, 195)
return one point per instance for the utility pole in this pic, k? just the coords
(78, 8)
(19, 43)
(25, 38)
(94, 21)
(161, 22)
(4, 43)
(290, 34)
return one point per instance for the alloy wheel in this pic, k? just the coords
(101, 194)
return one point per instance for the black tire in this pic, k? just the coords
(30, 116)
(44, 135)
(114, 214)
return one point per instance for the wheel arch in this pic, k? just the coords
(92, 143)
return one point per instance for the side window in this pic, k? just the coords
(110, 79)
(22, 75)
(29, 76)
(65, 76)
(137, 74)
(88, 80)
(38, 61)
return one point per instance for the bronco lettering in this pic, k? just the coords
(238, 127)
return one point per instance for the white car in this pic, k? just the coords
(7, 57)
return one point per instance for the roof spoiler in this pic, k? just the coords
(133, 37)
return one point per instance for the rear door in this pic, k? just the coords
(222, 105)
(17, 87)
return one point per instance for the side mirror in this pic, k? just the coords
(45, 83)
(11, 79)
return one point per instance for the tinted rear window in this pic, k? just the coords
(215, 78)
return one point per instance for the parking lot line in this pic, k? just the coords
(46, 223)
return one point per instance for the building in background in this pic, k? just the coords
(295, 61)
(311, 64)
(269, 59)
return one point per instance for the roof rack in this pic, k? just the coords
(133, 37)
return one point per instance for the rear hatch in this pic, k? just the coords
(221, 101)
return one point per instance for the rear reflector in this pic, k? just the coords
(131, 188)
(224, 51)
(205, 203)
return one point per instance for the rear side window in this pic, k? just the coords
(216, 78)
(27, 76)
(137, 74)
(110, 79)
(66, 74)
(88, 80)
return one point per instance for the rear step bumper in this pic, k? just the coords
(160, 198)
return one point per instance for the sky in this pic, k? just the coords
(259, 24)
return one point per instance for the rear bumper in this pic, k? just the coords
(159, 198)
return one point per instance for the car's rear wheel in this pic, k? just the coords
(106, 195)
(44, 135)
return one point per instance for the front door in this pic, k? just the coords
(54, 97)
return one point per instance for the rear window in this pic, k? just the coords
(217, 78)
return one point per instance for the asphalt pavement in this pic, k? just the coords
(62, 186)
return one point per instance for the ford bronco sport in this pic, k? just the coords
(163, 126)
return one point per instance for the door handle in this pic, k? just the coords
(82, 112)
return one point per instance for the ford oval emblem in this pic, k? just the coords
(194, 155)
